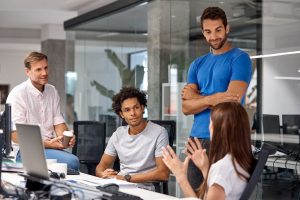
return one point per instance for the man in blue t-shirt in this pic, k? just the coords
(220, 76)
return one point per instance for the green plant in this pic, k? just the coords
(127, 75)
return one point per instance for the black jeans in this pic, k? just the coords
(194, 174)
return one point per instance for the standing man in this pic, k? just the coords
(138, 145)
(37, 102)
(222, 75)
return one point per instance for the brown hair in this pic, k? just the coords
(34, 57)
(213, 13)
(231, 135)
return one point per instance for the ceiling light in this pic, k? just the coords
(287, 78)
(275, 54)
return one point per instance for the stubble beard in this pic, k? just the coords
(220, 45)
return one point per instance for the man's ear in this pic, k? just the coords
(121, 114)
(27, 71)
(227, 29)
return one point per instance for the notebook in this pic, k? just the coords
(32, 150)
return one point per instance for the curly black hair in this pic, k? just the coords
(126, 93)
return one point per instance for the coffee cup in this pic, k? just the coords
(51, 161)
(67, 135)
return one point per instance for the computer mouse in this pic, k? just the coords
(109, 186)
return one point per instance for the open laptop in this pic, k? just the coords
(32, 150)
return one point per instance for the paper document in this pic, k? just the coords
(104, 181)
(12, 167)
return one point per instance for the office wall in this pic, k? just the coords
(12, 67)
(281, 77)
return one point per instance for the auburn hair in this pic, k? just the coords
(231, 135)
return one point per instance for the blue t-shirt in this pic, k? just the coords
(213, 73)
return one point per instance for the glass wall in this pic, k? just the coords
(151, 44)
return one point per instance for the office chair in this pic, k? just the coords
(271, 123)
(90, 143)
(170, 126)
(263, 155)
(291, 124)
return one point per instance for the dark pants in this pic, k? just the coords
(194, 174)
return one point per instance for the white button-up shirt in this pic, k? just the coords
(30, 106)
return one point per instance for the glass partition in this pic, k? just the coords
(125, 46)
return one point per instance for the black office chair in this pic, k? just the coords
(90, 144)
(271, 123)
(170, 126)
(291, 124)
(263, 155)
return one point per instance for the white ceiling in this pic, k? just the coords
(34, 14)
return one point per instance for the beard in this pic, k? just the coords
(219, 45)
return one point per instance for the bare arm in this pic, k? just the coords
(192, 101)
(104, 168)
(60, 128)
(192, 104)
(160, 173)
(54, 143)
(14, 137)
(215, 192)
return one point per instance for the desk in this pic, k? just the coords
(276, 137)
(15, 179)
(283, 163)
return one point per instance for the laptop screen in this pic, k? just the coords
(32, 150)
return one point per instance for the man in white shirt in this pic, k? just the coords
(37, 102)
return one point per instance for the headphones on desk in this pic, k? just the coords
(56, 175)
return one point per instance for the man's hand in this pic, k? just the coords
(189, 92)
(55, 143)
(72, 141)
(222, 97)
(110, 173)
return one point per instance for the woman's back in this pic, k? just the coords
(223, 173)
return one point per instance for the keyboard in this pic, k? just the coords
(116, 195)
(71, 171)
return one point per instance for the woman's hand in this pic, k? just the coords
(197, 154)
(172, 161)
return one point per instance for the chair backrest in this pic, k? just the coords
(266, 150)
(271, 123)
(90, 141)
(170, 125)
(291, 123)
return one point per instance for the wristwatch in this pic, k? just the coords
(127, 177)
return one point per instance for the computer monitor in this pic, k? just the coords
(5, 125)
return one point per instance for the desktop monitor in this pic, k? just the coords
(5, 125)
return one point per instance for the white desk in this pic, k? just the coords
(283, 163)
(276, 137)
(15, 179)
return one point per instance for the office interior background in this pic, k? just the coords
(96, 47)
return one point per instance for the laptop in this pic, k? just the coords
(32, 150)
